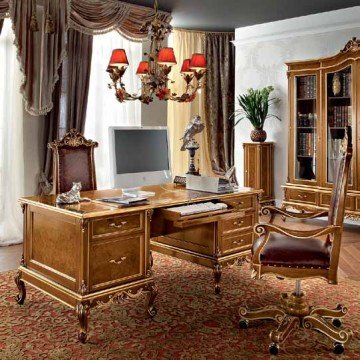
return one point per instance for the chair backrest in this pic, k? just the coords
(73, 159)
(342, 170)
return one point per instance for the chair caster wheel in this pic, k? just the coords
(338, 348)
(337, 323)
(243, 324)
(274, 349)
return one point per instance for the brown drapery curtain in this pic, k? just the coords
(41, 31)
(4, 8)
(1, 24)
(219, 98)
(70, 97)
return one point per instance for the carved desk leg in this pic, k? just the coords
(82, 311)
(20, 298)
(217, 276)
(152, 293)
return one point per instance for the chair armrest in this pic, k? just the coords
(271, 210)
(262, 229)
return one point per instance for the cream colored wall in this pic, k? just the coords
(261, 53)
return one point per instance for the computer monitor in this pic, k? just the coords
(139, 156)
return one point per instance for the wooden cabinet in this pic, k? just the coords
(324, 98)
(259, 164)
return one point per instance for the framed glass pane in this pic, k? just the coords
(339, 113)
(306, 127)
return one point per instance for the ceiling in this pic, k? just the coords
(225, 15)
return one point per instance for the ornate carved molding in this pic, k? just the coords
(239, 261)
(120, 297)
(149, 214)
(83, 289)
(22, 261)
(23, 207)
(84, 223)
(352, 45)
(353, 217)
(72, 138)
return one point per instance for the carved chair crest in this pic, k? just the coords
(74, 139)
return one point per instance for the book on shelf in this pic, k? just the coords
(306, 144)
(339, 116)
(306, 120)
(306, 87)
(346, 84)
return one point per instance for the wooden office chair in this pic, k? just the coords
(301, 254)
(73, 161)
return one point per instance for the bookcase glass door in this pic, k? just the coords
(305, 127)
(339, 112)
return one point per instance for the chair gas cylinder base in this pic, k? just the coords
(300, 254)
(294, 313)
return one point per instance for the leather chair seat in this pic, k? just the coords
(282, 250)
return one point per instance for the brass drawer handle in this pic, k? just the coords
(238, 223)
(114, 225)
(118, 262)
(238, 242)
(302, 196)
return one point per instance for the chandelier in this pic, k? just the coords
(154, 71)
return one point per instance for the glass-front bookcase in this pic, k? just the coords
(324, 102)
(306, 127)
(339, 116)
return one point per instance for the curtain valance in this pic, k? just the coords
(41, 37)
(4, 9)
(98, 17)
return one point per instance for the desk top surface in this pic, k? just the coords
(165, 195)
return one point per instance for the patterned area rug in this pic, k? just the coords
(192, 322)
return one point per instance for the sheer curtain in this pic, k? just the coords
(11, 140)
(103, 109)
(185, 43)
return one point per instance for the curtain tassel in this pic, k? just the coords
(49, 24)
(34, 26)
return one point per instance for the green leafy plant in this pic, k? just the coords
(254, 106)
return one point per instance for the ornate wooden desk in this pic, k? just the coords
(91, 254)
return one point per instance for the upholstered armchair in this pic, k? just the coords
(301, 254)
(73, 161)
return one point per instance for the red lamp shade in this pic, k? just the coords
(198, 62)
(143, 68)
(119, 58)
(185, 69)
(166, 57)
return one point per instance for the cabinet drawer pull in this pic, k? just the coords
(238, 223)
(118, 226)
(118, 262)
(302, 196)
(238, 242)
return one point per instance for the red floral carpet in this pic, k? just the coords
(192, 322)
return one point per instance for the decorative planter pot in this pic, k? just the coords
(258, 135)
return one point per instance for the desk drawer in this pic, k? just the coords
(326, 198)
(119, 224)
(303, 196)
(115, 261)
(236, 243)
(243, 202)
(237, 223)
(199, 239)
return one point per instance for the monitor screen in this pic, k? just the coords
(141, 150)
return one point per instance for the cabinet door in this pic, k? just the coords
(339, 114)
(305, 125)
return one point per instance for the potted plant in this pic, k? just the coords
(254, 106)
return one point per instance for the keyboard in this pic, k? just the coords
(198, 208)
